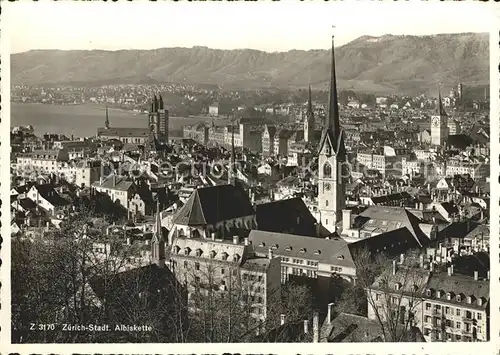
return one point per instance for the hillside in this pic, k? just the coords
(408, 64)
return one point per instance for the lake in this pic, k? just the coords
(83, 120)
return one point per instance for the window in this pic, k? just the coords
(260, 278)
(326, 203)
(478, 316)
(447, 310)
(458, 312)
(197, 266)
(222, 271)
(326, 221)
(427, 306)
(327, 170)
(458, 325)
(185, 264)
(427, 319)
(197, 279)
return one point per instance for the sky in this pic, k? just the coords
(268, 26)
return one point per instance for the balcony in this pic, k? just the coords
(468, 320)
(437, 312)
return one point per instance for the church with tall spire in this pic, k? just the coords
(158, 242)
(439, 124)
(159, 119)
(309, 123)
(332, 172)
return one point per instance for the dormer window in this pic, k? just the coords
(459, 298)
(288, 248)
(303, 250)
(275, 246)
(428, 292)
(438, 294)
(198, 252)
(236, 257)
(262, 245)
(397, 286)
(224, 256)
(469, 299)
(317, 252)
(212, 254)
(480, 301)
(340, 257)
(187, 250)
(449, 296)
(177, 249)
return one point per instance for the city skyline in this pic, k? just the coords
(67, 29)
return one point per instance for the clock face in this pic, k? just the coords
(327, 186)
(435, 122)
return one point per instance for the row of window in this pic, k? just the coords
(453, 311)
(449, 336)
(451, 324)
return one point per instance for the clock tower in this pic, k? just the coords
(332, 162)
(439, 125)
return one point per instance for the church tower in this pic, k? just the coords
(309, 121)
(158, 242)
(159, 119)
(106, 122)
(332, 171)
(439, 124)
(231, 174)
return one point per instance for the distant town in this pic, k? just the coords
(283, 216)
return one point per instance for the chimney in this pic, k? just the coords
(401, 259)
(212, 235)
(476, 275)
(236, 240)
(282, 319)
(247, 241)
(449, 271)
(315, 327)
(270, 254)
(451, 268)
(47, 226)
(114, 180)
(346, 220)
(421, 261)
(330, 312)
(306, 326)
(394, 267)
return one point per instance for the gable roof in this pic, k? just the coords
(213, 204)
(48, 192)
(123, 132)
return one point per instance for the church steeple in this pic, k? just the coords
(157, 242)
(155, 104)
(106, 122)
(331, 130)
(440, 110)
(333, 107)
(230, 173)
(309, 104)
(161, 102)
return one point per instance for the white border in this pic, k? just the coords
(296, 348)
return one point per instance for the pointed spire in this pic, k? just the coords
(333, 122)
(158, 231)
(440, 109)
(106, 122)
(233, 154)
(161, 103)
(309, 104)
(155, 103)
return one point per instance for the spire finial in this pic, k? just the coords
(333, 114)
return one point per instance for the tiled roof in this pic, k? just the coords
(120, 183)
(351, 328)
(48, 192)
(329, 251)
(385, 219)
(213, 204)
(278, 216)
(399, 196)
(459, 284)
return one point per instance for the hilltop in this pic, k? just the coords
(386, 64)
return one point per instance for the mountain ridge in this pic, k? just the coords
(385, 64)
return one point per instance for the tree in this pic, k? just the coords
(392, 293)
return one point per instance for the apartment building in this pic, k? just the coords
(214, 267)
